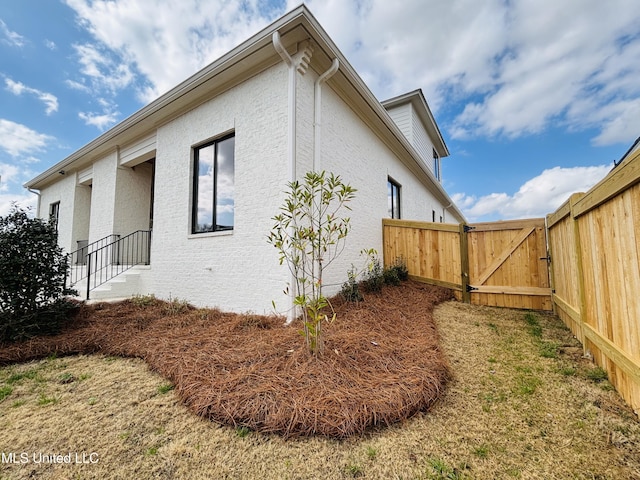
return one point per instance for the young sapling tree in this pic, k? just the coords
(310, 233)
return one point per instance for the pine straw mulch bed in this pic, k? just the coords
(382, 361)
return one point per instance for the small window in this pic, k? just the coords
(436, 165)
(54, 214)
(213, 186)
(441, 221)
(393, 199)
(433, 216)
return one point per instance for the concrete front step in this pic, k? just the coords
(127, 284)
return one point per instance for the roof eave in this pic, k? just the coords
(110, 139)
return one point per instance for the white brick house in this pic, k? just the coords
(205, 166)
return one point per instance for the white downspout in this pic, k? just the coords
(291, 142)
(291, 134)
(39, 199)
(444, 210)
(317, 123)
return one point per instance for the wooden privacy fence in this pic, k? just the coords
(594, 241)
(500, 264)
(594, 260)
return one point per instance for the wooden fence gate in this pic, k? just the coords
(501, 264)
(509, 264)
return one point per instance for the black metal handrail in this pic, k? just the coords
(77, 259)
(110, 260)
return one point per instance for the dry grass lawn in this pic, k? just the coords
(523, 403)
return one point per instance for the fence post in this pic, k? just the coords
(464, 264)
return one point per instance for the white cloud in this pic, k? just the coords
(104, 71)
(10, 37)
(18, 88)
(568, 64)
(24, 200)
(8, 174)
(11, 175)
(81, 87)
(51, 45)
(537, 197)
(165, 47)
(508, 68)
(100, 120)
(17, 139)
(519, 67)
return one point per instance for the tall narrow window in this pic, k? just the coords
(393, 199)
(54, 214)
(436, 165)
(213, 186)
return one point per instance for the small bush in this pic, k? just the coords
(374, 277)
(176, 306)
(400, 267)
(142, 301)
(351, 289)
(33, 271)
(391, 277)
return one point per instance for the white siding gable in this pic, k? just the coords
(402, 116)
(407, 120)
(421, 141)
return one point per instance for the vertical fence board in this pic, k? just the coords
(595, 240)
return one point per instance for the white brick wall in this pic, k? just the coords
(103, 192)
(239, 270)
(61, 191)
(133, 198)
(352, 150)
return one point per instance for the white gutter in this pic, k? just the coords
(317, 124)
(291, 134)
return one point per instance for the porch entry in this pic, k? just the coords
(95, 263)
(503, 264)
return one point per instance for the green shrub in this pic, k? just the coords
(374, 277)
(351, 289)
(400, 267)
(33, 271)
(390, 276)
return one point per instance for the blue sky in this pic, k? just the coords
(535, 98)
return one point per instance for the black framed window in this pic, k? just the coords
(213, 186)
(54, 214)
(393, 199)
